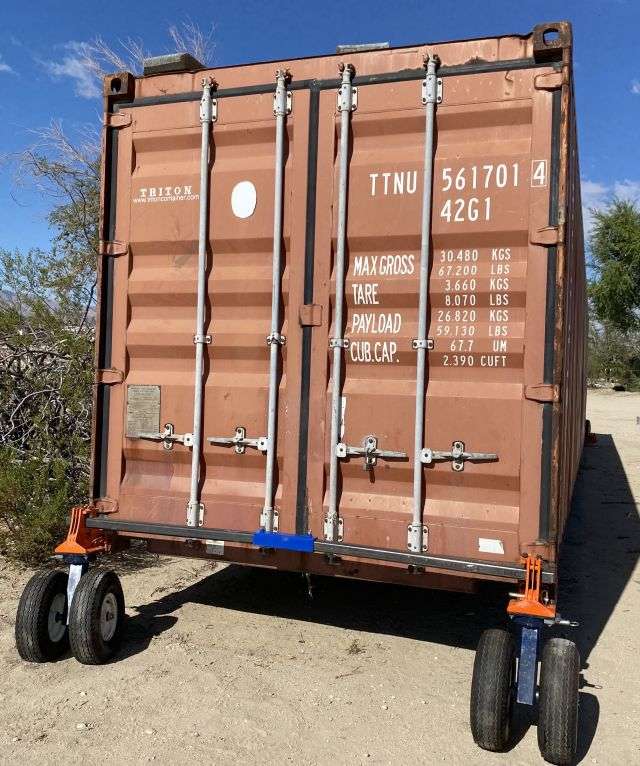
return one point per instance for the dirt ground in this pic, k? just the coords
(229, 665)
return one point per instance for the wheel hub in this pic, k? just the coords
(56, 623)
(108, 617)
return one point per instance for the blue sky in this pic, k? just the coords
(42, 77)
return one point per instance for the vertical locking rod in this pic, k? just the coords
(206, 119)
(275, 339)
(415, 530)
(346, 104)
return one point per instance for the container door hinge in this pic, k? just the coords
(239, 441)
(109, 376)
(117, 119)
(195, 510)
(369, 451)
(105, 505)
(542, 392)
(549, 80)
(113, 249)
(547, 236)
(457, 456)
(167, 437)
(310, 315)
(417, 538)
(333, 529)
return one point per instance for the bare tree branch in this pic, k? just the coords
(188, 37)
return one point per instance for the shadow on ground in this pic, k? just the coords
(598, 558)
(132, 559)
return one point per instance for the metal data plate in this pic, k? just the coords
(143, 410)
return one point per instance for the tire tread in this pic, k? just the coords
(31, 628)
(558, 712)
(84, 635)
(491, 689)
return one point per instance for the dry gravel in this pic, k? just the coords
(228, 665)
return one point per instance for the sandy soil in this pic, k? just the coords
(230, 665)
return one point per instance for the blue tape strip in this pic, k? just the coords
(301, 543)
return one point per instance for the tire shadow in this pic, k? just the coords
(587, 723)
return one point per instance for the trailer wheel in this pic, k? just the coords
(97, 617)
(558, 701)
(492, 689)
(41, 620)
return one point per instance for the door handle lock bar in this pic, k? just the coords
(369, 451)
(168, 437)
(282, 103)
(208, 115)
(429, 97)
(240, 442)
(338, 343)
(457, 455)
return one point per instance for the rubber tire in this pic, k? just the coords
(32, 633)
(558, 701)
(87, 643)
(492, 689)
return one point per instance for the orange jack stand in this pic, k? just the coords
(82, 541)
(530, 604)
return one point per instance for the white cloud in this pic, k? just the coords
(635, 87)
(4, 67)
(627, 190)
(596, 195)
(77, 65)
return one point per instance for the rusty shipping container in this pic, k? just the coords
(341, 327)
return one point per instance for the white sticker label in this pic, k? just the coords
(489, 545)
(343, 404)
(243, 199)
(214, 547)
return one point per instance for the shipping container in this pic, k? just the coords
(341, 330)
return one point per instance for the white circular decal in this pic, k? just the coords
(243, 199)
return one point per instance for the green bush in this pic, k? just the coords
(613, 357)
(614, 295)
(34, 507)
(47, 309)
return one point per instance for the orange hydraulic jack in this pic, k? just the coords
(82, 541)
(530, 613)
(530, 603)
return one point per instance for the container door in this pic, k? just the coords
(487, 301)
(159, 299)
